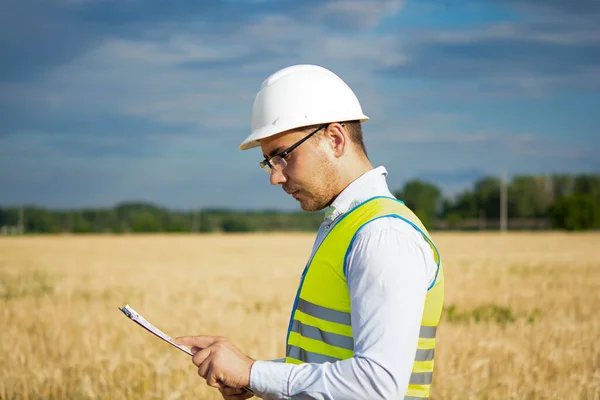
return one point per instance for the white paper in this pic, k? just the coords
(136, 317)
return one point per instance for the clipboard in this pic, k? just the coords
(141, 321)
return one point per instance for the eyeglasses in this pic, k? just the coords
(277, 162)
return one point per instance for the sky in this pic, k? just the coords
(108, 101)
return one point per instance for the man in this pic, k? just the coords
(369, 301)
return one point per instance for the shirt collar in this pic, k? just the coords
(371, 183)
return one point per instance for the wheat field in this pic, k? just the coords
(520, 319)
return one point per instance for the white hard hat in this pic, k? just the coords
(298, 96)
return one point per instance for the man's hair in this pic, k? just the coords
(354, 129)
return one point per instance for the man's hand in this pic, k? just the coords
(220, 363)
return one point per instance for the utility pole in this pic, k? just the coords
(70, 221)
(21, 220)
(194, 221)
(503, 203)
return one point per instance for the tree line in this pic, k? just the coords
(560, 201)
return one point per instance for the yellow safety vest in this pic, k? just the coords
(320, 328)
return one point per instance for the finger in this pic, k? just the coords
(242, 396)
(195, 349)
(229, 391)
(198, 341)
(213, 377)
(203, 367)
(201, 356)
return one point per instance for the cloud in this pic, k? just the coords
(36, 168)
(581, 8)
(358, 14)
(65, 29)
(451, 137)
(453, 177)
(104, 60)
(180, 82)
(556, 46)
(150, 99)
(436, 128)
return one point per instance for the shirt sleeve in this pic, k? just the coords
(387, 274)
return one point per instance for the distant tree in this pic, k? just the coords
(588, 184)
(235, 224)
(561, 185)
(423, 198)
(529, 196)
(205, 224)
(487, 196)
(145, 221)
(576, 212)
(80, 224)
(464, 206)
(38, 220)
(9, 216)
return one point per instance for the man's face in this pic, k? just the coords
(309, 176)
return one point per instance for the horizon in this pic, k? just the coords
(128, 202)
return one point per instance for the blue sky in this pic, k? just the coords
(104, 101)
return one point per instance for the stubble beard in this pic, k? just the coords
(322, 192)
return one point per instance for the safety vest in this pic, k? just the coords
(320, 328)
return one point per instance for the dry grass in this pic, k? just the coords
(520, 322)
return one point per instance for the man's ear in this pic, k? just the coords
(337, 138)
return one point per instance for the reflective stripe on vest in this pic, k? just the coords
(320, 328)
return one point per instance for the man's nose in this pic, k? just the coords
(277, 177)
